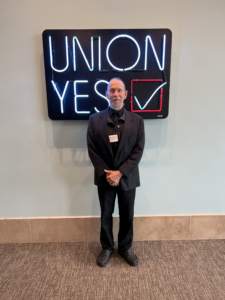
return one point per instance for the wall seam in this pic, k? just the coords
(190, 228)
(31, 238)
(84, 231)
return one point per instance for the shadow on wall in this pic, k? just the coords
(69, 134)
(156, 143)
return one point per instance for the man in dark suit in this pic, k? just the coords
(115, 140)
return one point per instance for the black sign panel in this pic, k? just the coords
(80, 63)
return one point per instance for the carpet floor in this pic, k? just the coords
(167, 270)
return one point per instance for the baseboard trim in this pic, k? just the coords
(87, 228)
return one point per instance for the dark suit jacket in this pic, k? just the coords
(129, 152)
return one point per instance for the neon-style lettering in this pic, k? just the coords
(123, 36)
(104, 97)
(84, 56)
(51, 58)
(95, 87)
(99, 53)
(161, 66)
(63, 94)
(79, 96)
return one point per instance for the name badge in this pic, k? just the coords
(113, 138)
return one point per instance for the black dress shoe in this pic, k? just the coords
(103, 257)
(130, 257)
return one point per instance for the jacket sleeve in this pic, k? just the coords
(99, 164)
(134, 158)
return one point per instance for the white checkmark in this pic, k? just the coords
(150, 97)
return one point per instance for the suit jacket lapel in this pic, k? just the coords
(103, 128)
(128, 126)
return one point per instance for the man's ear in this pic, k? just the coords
(106, 95)
(126, 93)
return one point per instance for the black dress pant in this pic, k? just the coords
(107, 196)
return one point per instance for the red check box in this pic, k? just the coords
(132, 96)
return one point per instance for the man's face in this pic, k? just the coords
(116, 94)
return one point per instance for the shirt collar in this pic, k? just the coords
(119, 112)
(110, 111)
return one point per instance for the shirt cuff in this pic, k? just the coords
(122, 173)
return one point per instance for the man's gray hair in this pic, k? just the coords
(117, 79)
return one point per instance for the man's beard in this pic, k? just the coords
(116, 107)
